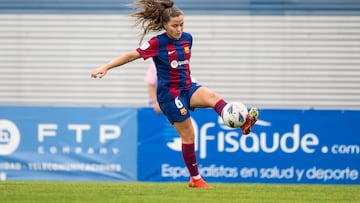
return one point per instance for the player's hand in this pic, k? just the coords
(99, 72)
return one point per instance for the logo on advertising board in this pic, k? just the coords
(230, 140)
(59, 143)
(81, 138)
(9, 137)
(278, 150)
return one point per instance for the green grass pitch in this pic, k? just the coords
(39, 191)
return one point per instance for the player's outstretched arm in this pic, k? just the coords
(119, 61)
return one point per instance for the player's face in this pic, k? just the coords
(174, 27)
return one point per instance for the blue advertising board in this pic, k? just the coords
(136, 144)
(286, 146)
(59, 143)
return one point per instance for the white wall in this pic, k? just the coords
(266, 61)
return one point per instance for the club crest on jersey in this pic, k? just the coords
(186, 50)
(183, 111)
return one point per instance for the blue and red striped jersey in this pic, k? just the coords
(172, 60)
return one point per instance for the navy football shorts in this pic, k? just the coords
(177, 110)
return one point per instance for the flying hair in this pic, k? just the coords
(152, 14)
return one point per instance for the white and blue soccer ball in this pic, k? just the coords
(234, 114)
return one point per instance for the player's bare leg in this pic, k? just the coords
(186, 132)
(204, 98)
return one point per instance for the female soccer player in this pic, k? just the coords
(176, 93)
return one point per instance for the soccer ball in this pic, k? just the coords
(234, 114)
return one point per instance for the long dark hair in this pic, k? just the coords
(151, 14)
